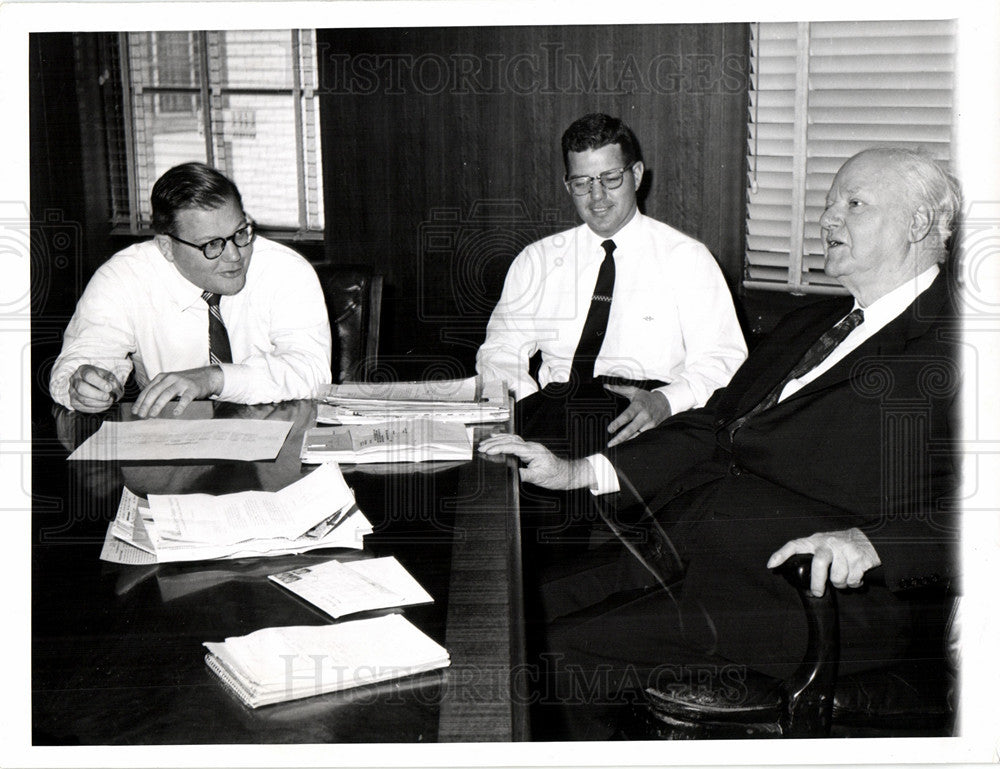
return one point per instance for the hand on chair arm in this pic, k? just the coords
(843, 557)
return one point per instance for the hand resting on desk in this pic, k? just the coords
(186, 386)
(542, 467)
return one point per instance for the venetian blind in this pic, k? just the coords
(819, 93)
(242, 101)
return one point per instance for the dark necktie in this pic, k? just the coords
(596, 324)
(815, 355)
(218, 339)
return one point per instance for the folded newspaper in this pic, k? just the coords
(469, 401)
(317, 511)
(399, 440)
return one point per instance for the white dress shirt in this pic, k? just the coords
(139, 311)
(671, 318)
(878, 315)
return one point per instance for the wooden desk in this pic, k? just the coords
(116, 650)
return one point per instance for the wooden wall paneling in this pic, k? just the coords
(440, 183)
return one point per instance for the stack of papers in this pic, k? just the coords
(316, 511)
(287, 663)
(345, 588)
(454, 400)
(401, 440)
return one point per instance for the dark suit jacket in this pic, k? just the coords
(867, 444)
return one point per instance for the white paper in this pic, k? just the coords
(399, 440)
(245, 440)
(248, 515)
(117, 550)
(334, 522)
(349, 534)
(442, 391)
(340, 588)
(282, 663)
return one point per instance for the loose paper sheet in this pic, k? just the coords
(245, 440)
(247, 515)
(345, 588)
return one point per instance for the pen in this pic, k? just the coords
(323, 528)
(118, 389)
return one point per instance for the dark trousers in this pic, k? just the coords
(557, 528)
(571, 418)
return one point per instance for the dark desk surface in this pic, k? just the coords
(117, 655)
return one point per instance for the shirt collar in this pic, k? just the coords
(625, 236)
(890, 305)
(179, 289)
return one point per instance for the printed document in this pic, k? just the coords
(345, 588)
(321, 504)
(247, 440)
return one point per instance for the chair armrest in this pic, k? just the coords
(810, 689)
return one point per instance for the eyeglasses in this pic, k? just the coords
(610, 180)
(213, 249)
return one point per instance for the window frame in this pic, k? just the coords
(202, 43)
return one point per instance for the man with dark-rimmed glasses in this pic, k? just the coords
(633, 319)
(206, 308)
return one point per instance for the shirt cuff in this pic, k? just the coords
(235, 382)
(679, 396)
(607, 478)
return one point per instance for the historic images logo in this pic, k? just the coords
(549, 70)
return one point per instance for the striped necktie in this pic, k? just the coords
(592, 336)
(218, 339)
(815, 355)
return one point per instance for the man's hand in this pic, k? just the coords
(647, 409)
(187, 386)
(844, 556)
(543, 467)
(93, 389)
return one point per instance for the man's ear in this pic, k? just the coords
(166, 246)
(637, 170)
(920, 224)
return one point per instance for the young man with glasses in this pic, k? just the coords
(665, 338)
(207, 308)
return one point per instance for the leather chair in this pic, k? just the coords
(916, 697)
(353, 296)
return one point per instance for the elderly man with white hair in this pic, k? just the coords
(833, 438)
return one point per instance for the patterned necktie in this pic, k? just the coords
(596, 324)
(815, 355)
(218, 339)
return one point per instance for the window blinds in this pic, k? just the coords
(243, 101)
(819, 93)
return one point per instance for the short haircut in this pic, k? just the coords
(931, 186)
(598, 130)
(190, 185)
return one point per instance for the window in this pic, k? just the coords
(242, 101)
(819, 93)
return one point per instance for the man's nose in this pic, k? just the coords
(597, 190)
(231, 253)
(830, 217)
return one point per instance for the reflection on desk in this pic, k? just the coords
(116, 651)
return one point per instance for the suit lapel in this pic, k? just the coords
(785, 348)
(915, 321)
